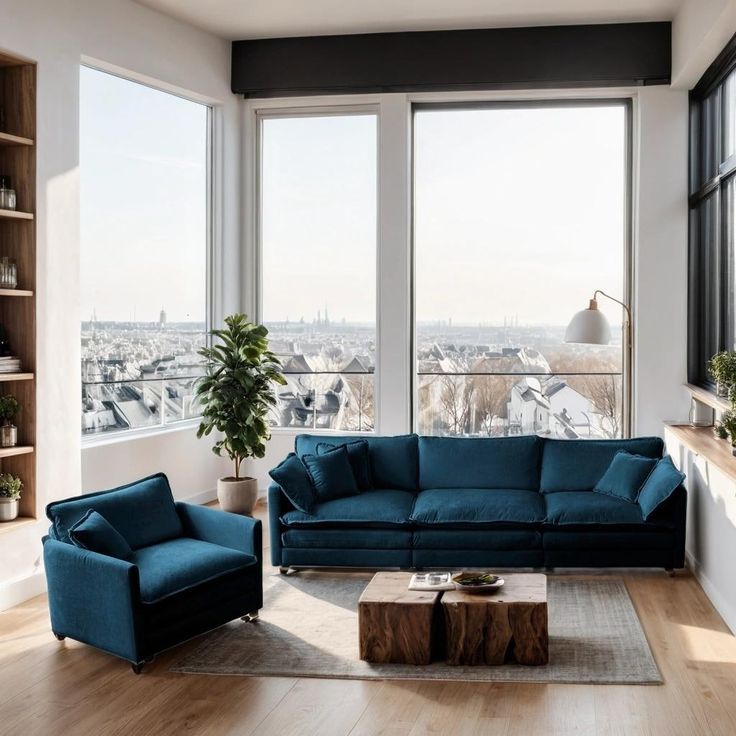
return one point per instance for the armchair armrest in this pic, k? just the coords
(241, 533)
(278, 505)
(94, 598)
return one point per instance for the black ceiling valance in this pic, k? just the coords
(619, 54)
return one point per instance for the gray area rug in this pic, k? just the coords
(309, 628)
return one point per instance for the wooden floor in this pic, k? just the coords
(47, 687)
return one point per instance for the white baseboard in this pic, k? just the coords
(22, 589)
(724, 608)
(15, 592)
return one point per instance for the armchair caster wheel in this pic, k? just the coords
(286, 570)
(251, 618)
(137, 667)
(59, 637)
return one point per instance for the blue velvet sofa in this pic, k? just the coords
(189, 569)
(462, 502)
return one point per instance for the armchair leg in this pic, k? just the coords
(670, 572)
(286, 570)
(137, 667)
(60, 637)
(250, 618)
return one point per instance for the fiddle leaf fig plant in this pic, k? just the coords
(237, 389)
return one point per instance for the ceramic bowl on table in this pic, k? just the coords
(477, 582)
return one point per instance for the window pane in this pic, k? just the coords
(318, 244)
(144, 241)
(519, 217)
(710, 137)
(729, 117)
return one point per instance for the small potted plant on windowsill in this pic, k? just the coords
(10, 488)
(722, 368)
(9, 408)
(236, 394)
(725, 428)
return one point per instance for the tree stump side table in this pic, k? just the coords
(396, 624)
(510, 624)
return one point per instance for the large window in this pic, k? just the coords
(712, 306)
(519, 215)
(318, 265)
(144, 160)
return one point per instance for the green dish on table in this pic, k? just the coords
(477, 582)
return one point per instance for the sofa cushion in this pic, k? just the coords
(347, 538)
(659, 486)
(585, 509)
(458, 462)
(394, 462)
(459, 507)
(143, 512)
(174, 566)
(95, 533)
(625, 476)
(331, 474)
(293, 477)
(360, 460)
(577, 465)
(474, 539)
(378, 508)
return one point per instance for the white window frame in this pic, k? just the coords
(214, 229)
(395, 375)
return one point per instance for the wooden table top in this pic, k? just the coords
(518, 587)
(393, 587)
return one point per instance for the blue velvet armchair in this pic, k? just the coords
(189, 570)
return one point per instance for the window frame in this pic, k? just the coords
(213, 244)
(395, 349)
(261, 114)
(705, 138)
(627, 103)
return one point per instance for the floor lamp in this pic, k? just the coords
(590, 326)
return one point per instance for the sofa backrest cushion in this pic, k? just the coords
(459, 462)
(394, 462)
(143, 512)
(577, 465)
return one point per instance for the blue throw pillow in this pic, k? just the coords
(663, 481)
(625, 476)
(295, 482)
(95, 533)
(332, 475)
(360, 460)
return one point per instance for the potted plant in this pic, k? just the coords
(722, 367)
(725, 428)
(235, 395)
(9, 408)
(10, 488)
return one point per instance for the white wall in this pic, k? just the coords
(58, 35)
(700, 30)
(660, 258)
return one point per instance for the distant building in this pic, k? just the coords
(162, 318)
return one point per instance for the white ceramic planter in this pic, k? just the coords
(8, 509)
(237, 495)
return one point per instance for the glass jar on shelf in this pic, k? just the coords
(7, 194)
(8, 273)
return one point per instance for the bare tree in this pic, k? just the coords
(604, 393)
(456, 395)
(490, 394)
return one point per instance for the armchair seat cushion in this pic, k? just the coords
(478, 507)
(179, 564)
(381, 508)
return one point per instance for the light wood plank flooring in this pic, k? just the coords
(50, 688)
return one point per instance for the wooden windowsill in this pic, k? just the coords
(703, 442)
(708, 397)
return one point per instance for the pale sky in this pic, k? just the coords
(143, 164)
(518, 212)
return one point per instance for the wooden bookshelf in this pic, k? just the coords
(18, 242)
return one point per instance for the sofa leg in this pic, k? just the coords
(287, 570)
(670, 572)
(251, 617)
(60, 637)
(137, 667)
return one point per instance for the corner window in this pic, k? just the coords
(144, 163)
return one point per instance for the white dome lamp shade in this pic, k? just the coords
(589, 326)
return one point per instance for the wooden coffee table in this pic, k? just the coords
(509, 625)
(394, 623)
